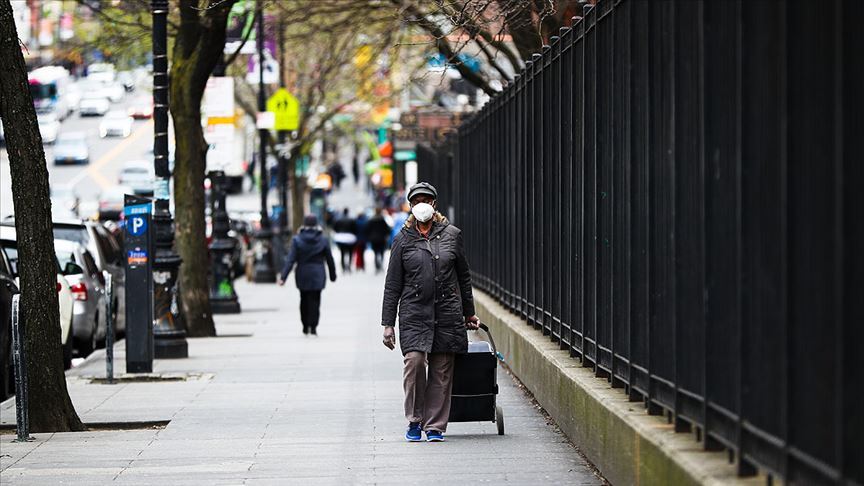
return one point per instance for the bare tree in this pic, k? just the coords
(198, 47)
(50, 409)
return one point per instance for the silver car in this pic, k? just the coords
(88, 295)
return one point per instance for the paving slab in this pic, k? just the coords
(264, 404)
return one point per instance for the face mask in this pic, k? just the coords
(423, 212)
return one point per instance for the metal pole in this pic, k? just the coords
(109, 332)
(264, 272)
(223, 297)
(19, 360)
(169, 335)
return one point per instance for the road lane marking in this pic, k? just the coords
(93, 169)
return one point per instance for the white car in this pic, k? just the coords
(93, 104)
(115, 91)
(9, 246)
(116, 123)
(139, 175)
(49, 126)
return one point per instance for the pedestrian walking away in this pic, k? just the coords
(345, 236)
(310, 251)
(429, 284)
(360, 247)
(377, 233)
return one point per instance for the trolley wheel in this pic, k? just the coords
(499, 419)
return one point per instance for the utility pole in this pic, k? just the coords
(169, 335)
(264, 272)
(283, 227)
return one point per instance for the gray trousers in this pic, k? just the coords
(427, 398)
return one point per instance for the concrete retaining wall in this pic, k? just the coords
(626, 444)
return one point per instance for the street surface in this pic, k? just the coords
(107, 156)
(263, 404)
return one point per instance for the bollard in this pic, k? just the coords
(19, 359)
(109, 332)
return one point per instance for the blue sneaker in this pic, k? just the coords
(413, 434)
(434, 436)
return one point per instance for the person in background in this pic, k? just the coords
(310, 251)
(377, 233)
(345, 236)
(360, 248)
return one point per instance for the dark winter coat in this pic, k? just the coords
(310, 250)
(345, 224)
(429, 281)
(377, 230)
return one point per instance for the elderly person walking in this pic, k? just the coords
(310, 251)
(429, 281)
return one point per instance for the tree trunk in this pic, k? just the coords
(298, 191)
(50, 409)
(191, 241)
(198, 47)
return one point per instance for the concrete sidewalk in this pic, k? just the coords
(263, 404)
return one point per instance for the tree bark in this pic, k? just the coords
(198, 47)
(50, 408)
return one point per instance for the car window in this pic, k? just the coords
(78, 234)
(91, 268)
(5, 266)
(107, 246)
(11, 252)
(64, 257)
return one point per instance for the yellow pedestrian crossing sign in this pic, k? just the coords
(286, 108)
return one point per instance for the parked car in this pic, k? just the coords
(111, 202)
(116, 123)
(65, 202)
(71, 148)
(8, 288)
(141, 108)
(9, 247)
(49, 126)
(93, 103)
(107, 254)
(89, 320)
(139, 175)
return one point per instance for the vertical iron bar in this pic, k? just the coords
(109, 331)
(19, 359)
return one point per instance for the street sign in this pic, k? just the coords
(138, 265)
(401, 155)
(286, 108)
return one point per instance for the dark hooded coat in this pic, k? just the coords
(310, 250)
(429, 282)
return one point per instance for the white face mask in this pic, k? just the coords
(423, 212)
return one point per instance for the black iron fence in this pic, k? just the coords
(674, 192)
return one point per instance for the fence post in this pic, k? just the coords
(109, 323)
(19, 359)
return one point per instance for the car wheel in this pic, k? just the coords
(67, 350)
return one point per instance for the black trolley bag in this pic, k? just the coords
(475, 384)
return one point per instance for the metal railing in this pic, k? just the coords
(673, 192)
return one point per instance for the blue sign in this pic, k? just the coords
(136, 225)
(137, 209)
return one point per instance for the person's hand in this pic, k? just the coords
(280, 282)
(333, 277)
(472, 322)
(389, 337)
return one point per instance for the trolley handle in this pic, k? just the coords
(489, 335)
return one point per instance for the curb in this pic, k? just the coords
(627, 445)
